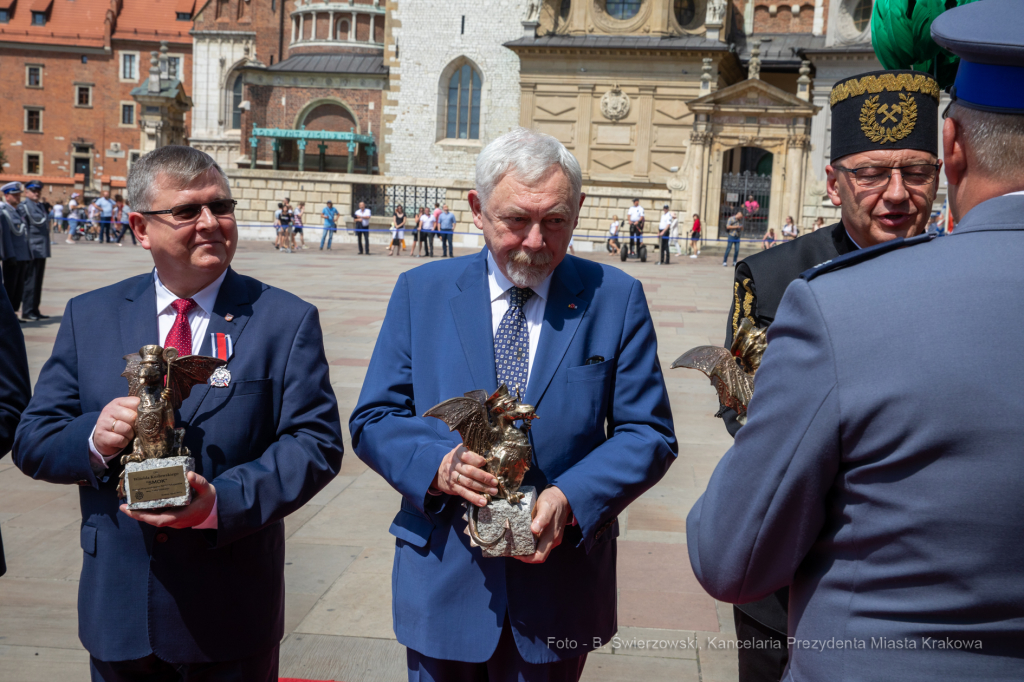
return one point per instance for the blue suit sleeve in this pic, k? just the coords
(386, 433)
(764, 506)
(642, 444)
(52, 442)
(304, 458)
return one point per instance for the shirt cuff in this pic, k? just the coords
(211, 520)
(98, 460)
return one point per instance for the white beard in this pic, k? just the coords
(526, 275)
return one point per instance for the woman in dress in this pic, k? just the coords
(397, 231)
(695, 236)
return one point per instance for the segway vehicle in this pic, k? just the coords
(626, 250)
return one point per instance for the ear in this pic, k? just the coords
(583, 197)
(953, 153)
(476, 206)
(830, 186)
(137, 222)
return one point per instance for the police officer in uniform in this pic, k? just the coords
(15, 239)
(36, 216)
(884, 177)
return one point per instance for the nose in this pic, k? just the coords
(896, 191)
(207, 221)
(534, 239)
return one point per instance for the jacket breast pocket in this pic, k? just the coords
(237, 389)
(599, 372)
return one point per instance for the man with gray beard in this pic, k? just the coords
(574, 339)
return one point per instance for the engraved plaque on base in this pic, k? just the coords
(511, 522)
(158, 483)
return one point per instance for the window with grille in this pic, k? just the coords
(128, 114)
(83, 96)
(236, 104)
(33, 120)
(862, 15)
(622, 9)
(33, 164)
(34, 76)
(462, 115)
(128, 67)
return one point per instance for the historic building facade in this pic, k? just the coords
(70, 119)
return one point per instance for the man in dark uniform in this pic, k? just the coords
(884, 180)
(15, 238)
(15, 389)
(37, 220)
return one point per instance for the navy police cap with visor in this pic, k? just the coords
(988, 36)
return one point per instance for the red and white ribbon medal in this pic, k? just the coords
(223, 348)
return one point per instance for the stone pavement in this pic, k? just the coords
(339, 552)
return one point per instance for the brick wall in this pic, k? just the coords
(783, 21)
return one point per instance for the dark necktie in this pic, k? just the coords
(512, 344)
(180, 336)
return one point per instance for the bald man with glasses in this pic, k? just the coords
(883, 177)
(194, 592)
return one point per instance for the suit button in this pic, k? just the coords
(161, 537)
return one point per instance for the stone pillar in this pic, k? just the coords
(527, 93)
(584, 108)
(698, 165)
(302, 154)
(370, 38)
(644, 128)
(352, 27)
(295, 24)
(796, 161)
(302, 27)
(312, 29)
(330, 26)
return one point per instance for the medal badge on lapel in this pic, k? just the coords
(222, 348)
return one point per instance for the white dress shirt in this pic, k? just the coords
(199, 320)
(499, 285)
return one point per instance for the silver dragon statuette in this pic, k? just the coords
(487, 426)
(162, 381)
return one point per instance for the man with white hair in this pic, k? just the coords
(578, 343)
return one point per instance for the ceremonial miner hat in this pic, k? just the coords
(35, 185)
(11, 188)
(885, 110)
(988, 39)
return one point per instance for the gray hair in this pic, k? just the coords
(178, 164)
(527, 155)
(995, 142)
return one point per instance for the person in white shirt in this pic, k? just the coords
(673, 231)
(362, 215)
(789, 231)
(427, 232)
(664, 228)
(636, 226)
(613, 236)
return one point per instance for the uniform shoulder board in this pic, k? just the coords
(861, 255)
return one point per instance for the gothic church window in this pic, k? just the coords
(862, 15)
(236, 103)
(564, 9)
(462, 113)
(685, 11)
(622, 9)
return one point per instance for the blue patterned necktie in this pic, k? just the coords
(512, 343)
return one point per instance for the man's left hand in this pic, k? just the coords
(548, 525)
(204, 495)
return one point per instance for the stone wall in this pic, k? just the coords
(218, 56)
(426, 37)
(259, 191)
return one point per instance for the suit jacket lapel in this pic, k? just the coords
(233, 299)
(471, 309)
(138, 317)
(562, 316)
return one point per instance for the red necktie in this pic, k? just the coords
(180, 336)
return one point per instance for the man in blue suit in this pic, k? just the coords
(15, 388)
(880, 466)
(589, 365)
(197, 592)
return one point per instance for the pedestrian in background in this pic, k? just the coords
(37, 224)
(819, 223)
(636, 226)
(664, 228)
(769, 239)
(446, 223)
(121, 212)
(397, 231)
(278, 227)
(429, 229)
(789, 231)
(734, 228)
(330, 215)
(297, 226)
(613, 236)
(695, 236)
(673, 231)
(106, 217)
(93, 215)
(59, 224)
(362, 216)
(16, 253)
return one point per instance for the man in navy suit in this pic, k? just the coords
(15, 388)
(880, 467)
(197, 592)
(585, 355)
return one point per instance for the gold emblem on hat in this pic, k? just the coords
(875, 129)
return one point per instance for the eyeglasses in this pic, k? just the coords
(918, 175)
(186, 212)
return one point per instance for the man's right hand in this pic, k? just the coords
(115, 427)
(460, 474)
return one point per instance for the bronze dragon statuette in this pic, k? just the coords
(162, 381)
(487, 426)
(731, 371)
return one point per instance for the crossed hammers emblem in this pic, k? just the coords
(890, 114)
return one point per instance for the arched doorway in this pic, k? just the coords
(746, 189)
(330, 116)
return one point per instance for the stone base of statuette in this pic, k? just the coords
(158, 483)
(512, 522)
